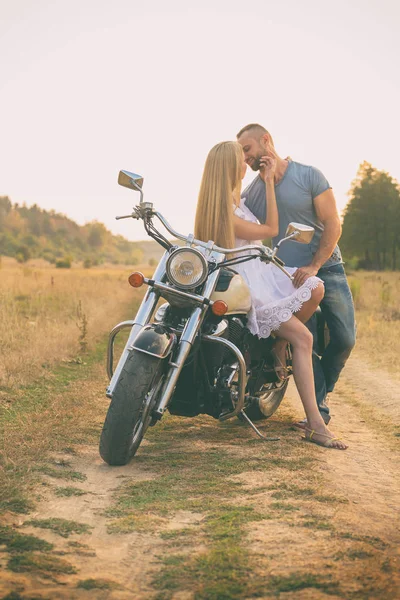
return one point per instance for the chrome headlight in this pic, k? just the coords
(186, 268)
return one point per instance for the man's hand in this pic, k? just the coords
(302, 274)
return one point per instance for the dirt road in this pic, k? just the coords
(206, 510)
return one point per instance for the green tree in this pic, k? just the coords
(371, 218)
(97, 234)
(64, 263)
(23, 254)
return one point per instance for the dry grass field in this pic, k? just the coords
(51, 323)
(377, 301)
(50, 315)
(205, 510)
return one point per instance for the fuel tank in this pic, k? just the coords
(234, 291)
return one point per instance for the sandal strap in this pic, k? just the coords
(312, 432)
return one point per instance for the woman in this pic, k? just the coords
(277, 306)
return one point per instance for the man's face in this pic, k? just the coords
(253, 150)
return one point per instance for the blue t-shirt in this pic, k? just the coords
(295, 193)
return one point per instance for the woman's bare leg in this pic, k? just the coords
(301, 340)
(310, 306)
(304, 314)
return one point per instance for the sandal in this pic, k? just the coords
(303, 423)
(282, 371)
(327, 444)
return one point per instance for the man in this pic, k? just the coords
(304, 196)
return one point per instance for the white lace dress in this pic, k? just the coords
(274, 297)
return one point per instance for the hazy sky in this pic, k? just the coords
(89, 87)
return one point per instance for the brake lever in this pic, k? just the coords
(132, 216)
(137, 213)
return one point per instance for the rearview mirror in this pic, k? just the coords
(130, 180)
(300, 233)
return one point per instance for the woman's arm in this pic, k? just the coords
(255, 231)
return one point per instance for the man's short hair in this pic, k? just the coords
(257, 130)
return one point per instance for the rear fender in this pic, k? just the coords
(155, 340)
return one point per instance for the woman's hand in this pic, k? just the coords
(268, 166)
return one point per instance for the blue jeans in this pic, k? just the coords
(338, 309)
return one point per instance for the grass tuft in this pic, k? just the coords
(18, 505)
(177, 534)
(62, 527)
(69, 491)
(98, 584)
(62, 474)
(318, 523)
(284, 506)
(18, 542)
(300, 581)
(43, 564)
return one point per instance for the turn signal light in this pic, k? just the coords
(136, 279)
(219, 308)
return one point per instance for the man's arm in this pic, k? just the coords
(325, 207)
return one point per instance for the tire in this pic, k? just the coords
(265, 406)
(123, 428)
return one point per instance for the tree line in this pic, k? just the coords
(36, 233)
(371, 236)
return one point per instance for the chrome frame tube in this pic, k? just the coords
(242, 374)
(163, 287)
(143, 316)
(110, 347)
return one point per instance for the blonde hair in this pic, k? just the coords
(219, 189)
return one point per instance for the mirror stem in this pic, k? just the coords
(139, 189)
(285, 239)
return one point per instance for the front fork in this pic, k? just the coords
(185, 344)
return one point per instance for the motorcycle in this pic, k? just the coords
(193, 354)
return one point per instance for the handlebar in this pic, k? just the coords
(146, 209)
(262, 249)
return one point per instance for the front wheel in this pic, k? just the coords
(267, 403)
(129, 415)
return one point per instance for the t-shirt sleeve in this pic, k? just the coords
(318, 182)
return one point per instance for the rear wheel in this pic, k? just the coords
(129, 413)
(267, 403)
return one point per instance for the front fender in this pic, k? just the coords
(155, 340)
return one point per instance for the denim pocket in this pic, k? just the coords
(334, 270)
